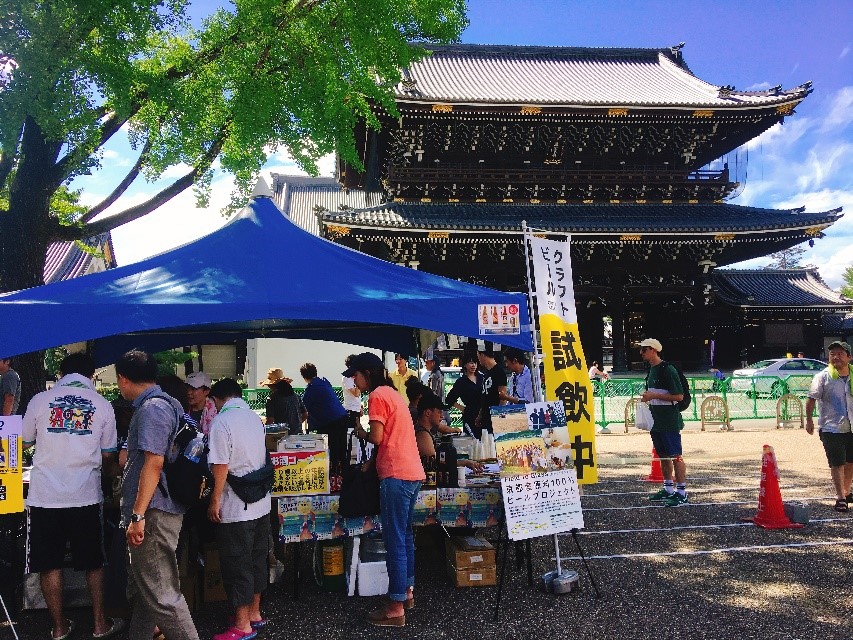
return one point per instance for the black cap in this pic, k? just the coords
(430, 401)
(363, 362)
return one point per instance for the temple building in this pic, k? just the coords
(623, 149)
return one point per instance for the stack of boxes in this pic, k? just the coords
(470, 561)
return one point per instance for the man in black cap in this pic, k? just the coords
(831, 389)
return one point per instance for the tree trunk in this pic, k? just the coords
(26, 229)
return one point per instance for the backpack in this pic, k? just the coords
(188, 476)
(684, 403)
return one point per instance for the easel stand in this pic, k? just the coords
(556, 582)
(9, 618)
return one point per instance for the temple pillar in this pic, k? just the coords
(701, 315)
(617, 305)
(591, 328)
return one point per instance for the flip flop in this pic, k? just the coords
(67, 633)
(116, 625)
(841, 505)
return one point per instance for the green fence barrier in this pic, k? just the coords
(747, 398)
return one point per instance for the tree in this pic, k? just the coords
(788, 258)
(267, 74)
(847, 288)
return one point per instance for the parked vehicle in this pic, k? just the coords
(767, 377)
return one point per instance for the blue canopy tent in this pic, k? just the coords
(258, 276)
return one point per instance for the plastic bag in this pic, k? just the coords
(643, 417)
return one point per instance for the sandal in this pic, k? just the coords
(67, 634)
(380, 618)
(841, 505)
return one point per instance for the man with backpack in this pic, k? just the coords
(240, 506)
(152, 518)
(664, 392)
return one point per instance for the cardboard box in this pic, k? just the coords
(468, 552)
(271, 440)
(214, 588)
(482, 577)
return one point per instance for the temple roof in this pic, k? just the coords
(580, 218)
(299, 196)
(572, 76)
(66, 260)
(766, 288)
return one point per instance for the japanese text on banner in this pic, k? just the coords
(300, 472)
(11, 469)
(541, 504)
(566, 376)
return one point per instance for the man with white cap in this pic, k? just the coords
(832, 391)
(663, 393)
(202, 409)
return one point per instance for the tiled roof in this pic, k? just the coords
(579, 218)
(789, 288)
(297, 197)
(66, 260)
(571, 76)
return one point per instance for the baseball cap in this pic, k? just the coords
(654, 344)
(199, 379)
(362, 362)
(840, 345)
(430, 401)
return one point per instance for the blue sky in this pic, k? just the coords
(746, 43)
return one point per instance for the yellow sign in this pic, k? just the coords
(11, 468)
(300, 472)
(566, 376)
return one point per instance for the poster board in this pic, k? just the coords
(11, 466)
(540, 504)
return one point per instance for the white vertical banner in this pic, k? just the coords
(566, 376)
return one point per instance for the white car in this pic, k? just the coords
(768, 376)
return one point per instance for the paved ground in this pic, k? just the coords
(691, 572)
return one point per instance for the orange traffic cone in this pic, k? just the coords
(771, 512)
(656, 475)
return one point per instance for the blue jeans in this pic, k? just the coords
(397, 500)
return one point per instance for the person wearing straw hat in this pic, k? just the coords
(273, 376)
(832, 390)
(663, 393)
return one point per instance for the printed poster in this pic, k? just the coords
(549, 418)
(541, 504)
(566, 377)
(11, 467)
(300, 472)
(469, 507)
(498, 319)
(304, 518)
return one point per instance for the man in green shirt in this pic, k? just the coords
(663, 392)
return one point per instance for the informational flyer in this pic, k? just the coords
(300, 472)
(11, 468)
(540, 504)
(498, 319)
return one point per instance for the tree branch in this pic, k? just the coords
(79, 153)
(120, 189)
(7, 160)
(76, 232)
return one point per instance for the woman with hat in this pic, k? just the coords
(284, 406)
(400, 476)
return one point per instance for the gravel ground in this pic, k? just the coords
(729, 580)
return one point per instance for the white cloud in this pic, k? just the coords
(844, 52)
(840, 110)
(760, 86)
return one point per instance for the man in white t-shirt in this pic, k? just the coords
(74, 429)
(243, 529)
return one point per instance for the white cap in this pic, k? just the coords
(199, 379)
(654, 344)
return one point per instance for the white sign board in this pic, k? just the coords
(540, 504)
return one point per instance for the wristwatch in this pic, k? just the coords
(136, 517)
